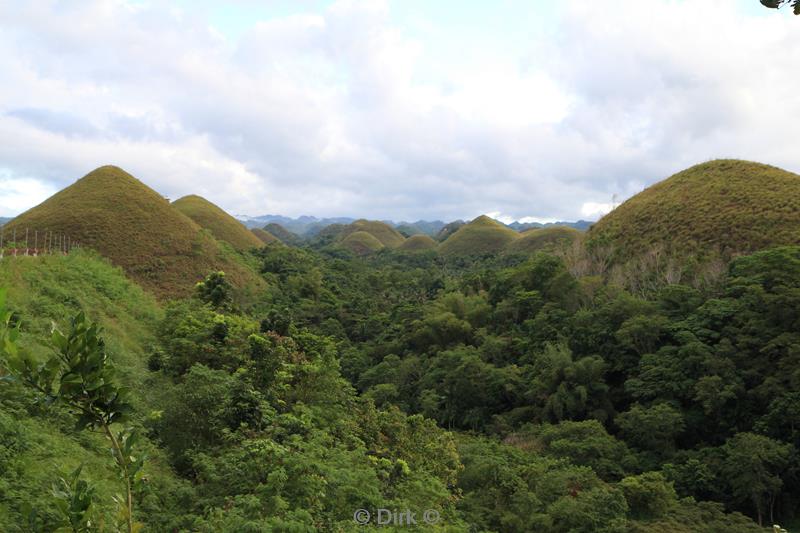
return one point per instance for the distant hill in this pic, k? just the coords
(137, 229)
(3, 220)
(361, 243)
(383, 232)
(264, 236)
(417, 243)
(306, 227)
(448, 229)
(426, 227)
(221, 225)
(286, 236)
(581, 225)
(407, 230)
(483, 235)
(537, 239)
(730, 205)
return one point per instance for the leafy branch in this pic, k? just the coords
(777, 4)
(80, 376)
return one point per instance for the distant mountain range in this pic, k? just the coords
(308, 226)
(3, 220)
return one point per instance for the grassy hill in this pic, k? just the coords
(726, 205)
(536, 239)
(384, 233)
(221, 225)
(286, 236)
(264, 236)
(449, 229)
(137, 229)
(481, 236)
(36, 446)
(361, 243)
(417, 243)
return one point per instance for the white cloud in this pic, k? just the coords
(326, 113)
(594, 210)
(18, 193)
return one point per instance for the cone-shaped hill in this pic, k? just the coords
(137, 229)
(384, 233)
(418, 243)
(286, 236)
(221, 225)
(449, 229)
(537, 239)
(264, 236)
(361, 243)
(483, 235)
(726, 205)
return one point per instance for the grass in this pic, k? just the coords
(417, 243)
(726, 206)
(384, 233)
(286, 236)
(47, 291)
(479, 237)
(221, 225)
(112, 212)
(361, 243)
(537, 239)
(264, 236)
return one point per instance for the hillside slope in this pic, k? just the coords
(221, 225)
(285, 236)
(361, 243)
(137, 229)
(418, 242)
(35, 446)
(264, 236)
(536, 239)
(387, 235)
(727, 205)
(481, 236)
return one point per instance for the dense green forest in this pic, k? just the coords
(499, 393)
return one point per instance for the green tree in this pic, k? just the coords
(651, 428)
(215, 290)
(649, 495)
(753, 467)
(586, 443)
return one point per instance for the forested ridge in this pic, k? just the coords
(503, 392)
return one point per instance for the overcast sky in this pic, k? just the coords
(400, 109)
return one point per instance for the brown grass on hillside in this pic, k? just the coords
(387, 235)
(221, 225)
(137, 229)
(361, 243)
(727, 205)
(417, 243)
(481, 236)
(548, 238)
